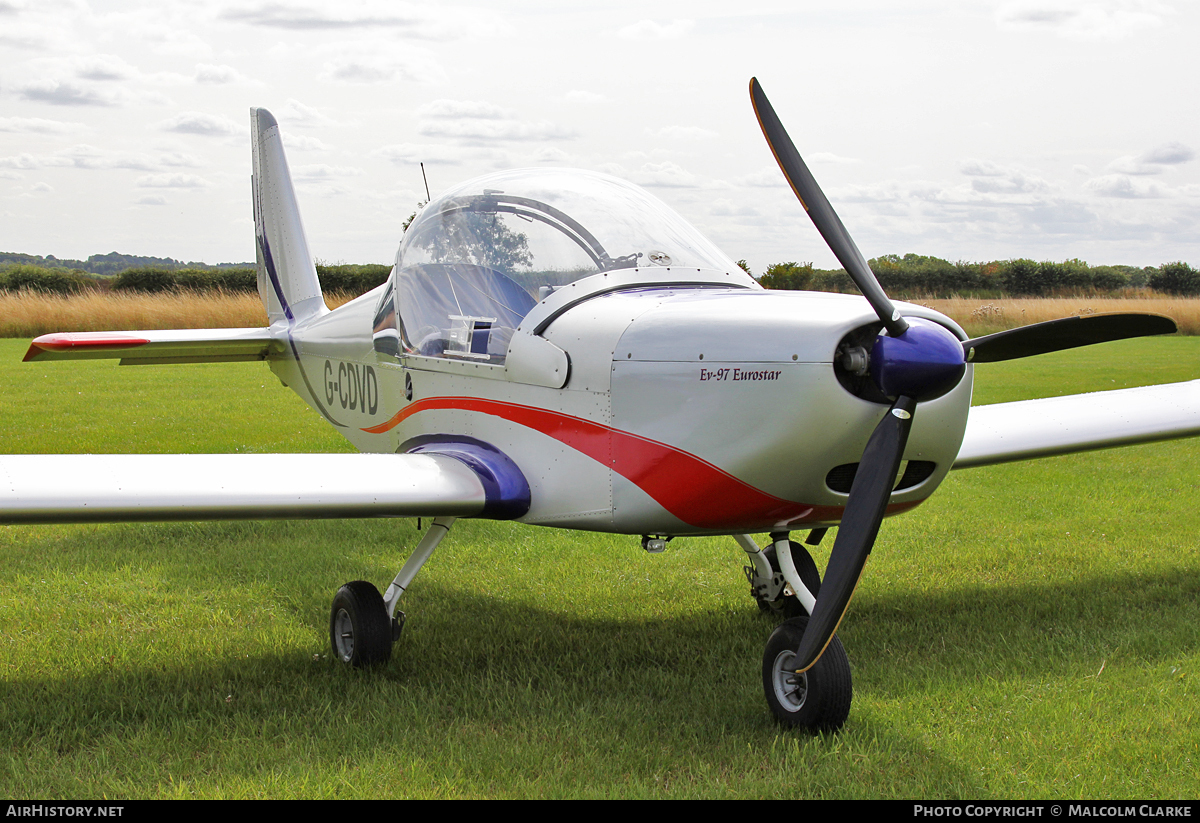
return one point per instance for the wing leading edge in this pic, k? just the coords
(114, 488)
(1029, 429)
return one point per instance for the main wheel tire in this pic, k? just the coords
(817, 700)
(787, 606)
(359, 629)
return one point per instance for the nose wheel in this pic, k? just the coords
(360, 630)
(817, 700)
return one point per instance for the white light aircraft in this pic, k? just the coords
(561, 349)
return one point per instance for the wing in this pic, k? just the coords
(1080, 422)
(90, 488)
(150, 347)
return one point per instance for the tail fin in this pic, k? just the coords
(287, 279)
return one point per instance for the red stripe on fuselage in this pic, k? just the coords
(691, 489)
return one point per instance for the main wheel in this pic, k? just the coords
(817, 700)
(786, 605)
(359, 629)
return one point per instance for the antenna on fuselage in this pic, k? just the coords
(426, 179)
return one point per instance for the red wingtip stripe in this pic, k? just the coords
(81, 340)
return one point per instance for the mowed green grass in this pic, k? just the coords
(1031, 631)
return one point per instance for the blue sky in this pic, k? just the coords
(968, 130)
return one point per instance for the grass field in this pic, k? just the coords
(1033, 631)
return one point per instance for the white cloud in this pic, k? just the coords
(581, 96)
(767, 177)
(990, 178)
(677, 133)
(66, 93)
(1153, 160)
(413, 153)
(1120, 185)
(196, 122)
(829, 158)
(87, 80)
(727, 208)
(102, 67)
(152, 200)
(20, 161)
(552, 155)
(654, 30)
(83, 156)
(385, 66)
(1083, 19)
(666, 174)
(174, 180)
(296, 112)
(323, 171)
(470, 120)
(478, 129)
(463, 108)
(1169, 153)
(302, 142)
(37, 125)
(219, 75)
(423, 21)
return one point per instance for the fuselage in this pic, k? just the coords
(641, 401)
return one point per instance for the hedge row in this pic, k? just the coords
(910, 275)
(343, 278)
(48, 281)
(354, 279)
(918, 275)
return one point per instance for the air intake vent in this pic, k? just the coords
(840, 478)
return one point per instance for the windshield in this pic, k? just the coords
(478, 258)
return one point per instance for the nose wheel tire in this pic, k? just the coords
(359, 629)
(817, 700)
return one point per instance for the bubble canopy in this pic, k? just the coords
(478, 258)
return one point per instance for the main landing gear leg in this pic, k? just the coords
(363, 625)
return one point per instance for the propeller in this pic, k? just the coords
(822, 214)
(1067, 333)
(912, 360)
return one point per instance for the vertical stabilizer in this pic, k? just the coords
(287, 279)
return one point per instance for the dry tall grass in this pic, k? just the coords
(28, 314)
(979, 317)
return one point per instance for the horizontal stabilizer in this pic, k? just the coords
(1027, 429)
(150, 347)
(97, 488)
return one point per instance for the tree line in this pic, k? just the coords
(910, 275)
(916, 275)
(111, 263)
(346, 278)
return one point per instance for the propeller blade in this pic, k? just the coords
(822, 214)
(869, 495)
(1067, 333)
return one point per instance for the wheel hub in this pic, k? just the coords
(343, 632)
(791, 688)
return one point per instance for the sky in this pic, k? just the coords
(964, 129)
